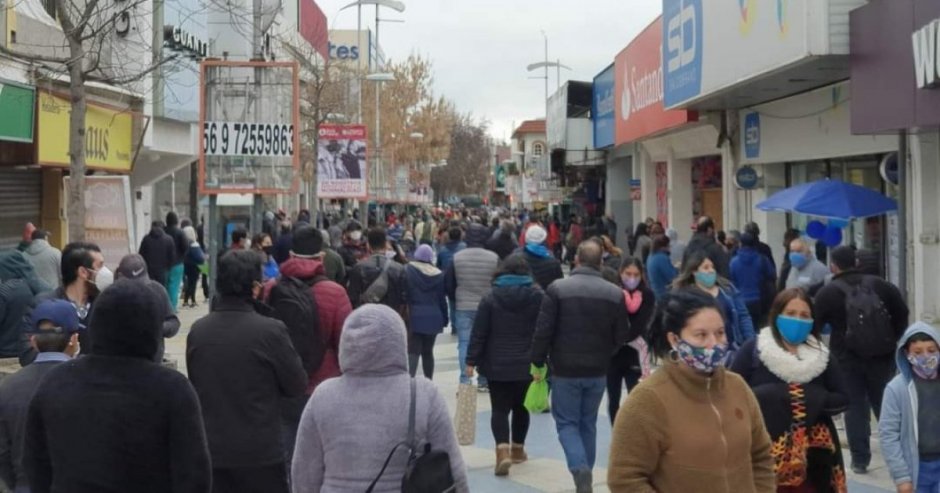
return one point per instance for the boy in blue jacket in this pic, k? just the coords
(909, 428)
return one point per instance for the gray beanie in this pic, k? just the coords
(373, 342)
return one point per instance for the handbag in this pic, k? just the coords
(465, 421)
(429, 473)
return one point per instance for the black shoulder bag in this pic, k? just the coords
(429, 473)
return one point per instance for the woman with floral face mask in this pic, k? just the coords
(799, 389)
(908, 429)
(699, 272)
(692, 425)
(631, 361)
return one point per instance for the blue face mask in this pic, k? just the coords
(706, 279)
(798, 260)
(794, 330)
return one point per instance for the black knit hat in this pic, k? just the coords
(307, 241)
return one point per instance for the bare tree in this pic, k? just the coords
(86, 49)
(467, 170)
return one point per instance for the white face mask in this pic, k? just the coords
(355, 235)
(103, 278)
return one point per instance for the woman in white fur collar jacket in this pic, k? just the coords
(799, 389)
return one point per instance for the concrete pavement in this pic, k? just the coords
(545, 471)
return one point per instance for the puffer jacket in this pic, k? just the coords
(582, 321)
(427, 301)
(469, 277)
(332, 307)
(501, 341)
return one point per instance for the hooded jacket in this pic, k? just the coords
(332, 307)
(751, 271)
(427, 299)
(144, 419)
(352, 422)
(180, 243)
(545, 270)
(661, 272)
(501, 244)
(47, 262)
(703, 242)
(897, 428)
(501, 341)
(159, 251)
(19, 285)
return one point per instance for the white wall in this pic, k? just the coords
(923, 268)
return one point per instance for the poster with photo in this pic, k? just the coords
(342, 172)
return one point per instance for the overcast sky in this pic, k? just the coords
(480, 48)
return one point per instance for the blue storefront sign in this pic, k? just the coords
(602, 108)
(752, 135)
(682, 50)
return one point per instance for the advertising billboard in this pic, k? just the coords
(349, 48)
(342, 172)
(602, 108)
(638, 89)
(108, 134)
(709, 46)
(313, 28)
(17, 105)
(108, 216)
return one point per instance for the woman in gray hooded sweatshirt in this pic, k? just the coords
(352, 422)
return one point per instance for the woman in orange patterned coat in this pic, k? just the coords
(799, 389)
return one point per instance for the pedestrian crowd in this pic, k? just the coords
(303, 375)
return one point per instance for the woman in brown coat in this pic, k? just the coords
(692, 425)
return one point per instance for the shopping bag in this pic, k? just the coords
(536, 398)
(466, 420)
(204, 268)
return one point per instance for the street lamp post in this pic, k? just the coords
(546, 65)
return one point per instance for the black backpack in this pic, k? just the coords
(427, 473)
(868, 327)
(293, 303)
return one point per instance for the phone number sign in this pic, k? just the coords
(247, 139)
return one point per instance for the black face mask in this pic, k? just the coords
(268, 249)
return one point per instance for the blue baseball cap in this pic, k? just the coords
(60, 312)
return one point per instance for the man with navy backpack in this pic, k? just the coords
(867, 315)
(314, 309)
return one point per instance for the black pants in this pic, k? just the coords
(505, 398)
(259, 479)
(421, 346)
(756, 310)
(865, 382)
(624, 370)
(189, 287)
(205, 286)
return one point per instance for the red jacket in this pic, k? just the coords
(333, 307)
(554, 235)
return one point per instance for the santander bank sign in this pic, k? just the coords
(638, 89)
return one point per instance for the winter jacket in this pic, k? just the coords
(171, 322)
(501, 341)
(116, 421)
(352, 255)
(752, 273)
(781, 380)
(195, 257)
(738, 323)
(19, 286)
(46, 261)
(813, 273)
(702, 242)
(897, 427)
(661, 273)
(545, 270)
(241, 364)
(476, 236)
(368, 271)
(270, 269)
(427, 299)
(180, 244)
(502, 245)
(830, 309)
(445, 254)
(332, 308)
(352, 422)
(159, 251)
(681, 431)
(643, 247)
(640, 323)
(469, 278)
(582, 322)
(335, 268)
(283, 246)
(16, 391)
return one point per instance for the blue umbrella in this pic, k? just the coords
(831, 199)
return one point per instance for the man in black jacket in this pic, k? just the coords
(114, 420)
(369, 269)
(242, 364)
(133, 267)
(159, 251)
(54, 333)
(764, 249)
(181, 246)
(704, 241)
(865, 376)
(583, 319)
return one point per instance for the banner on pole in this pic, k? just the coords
(342, 172)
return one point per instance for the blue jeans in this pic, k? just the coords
(928, 477)
(575, 403)
(463, 324)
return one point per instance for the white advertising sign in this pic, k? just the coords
(557, 120)
(248, 139)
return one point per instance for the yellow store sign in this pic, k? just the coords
(108, 135)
